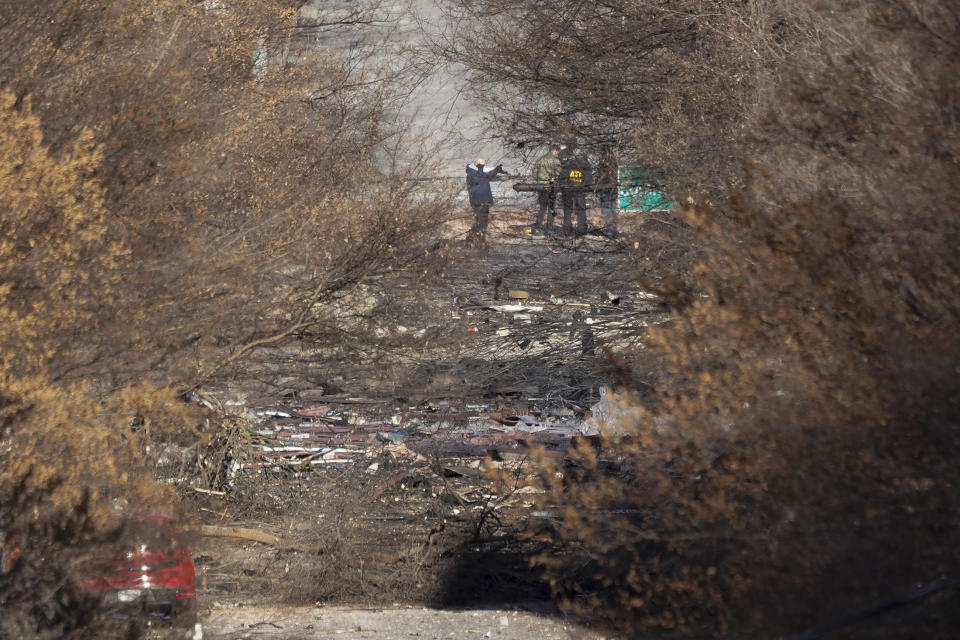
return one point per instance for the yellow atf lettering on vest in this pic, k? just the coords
(576, 175)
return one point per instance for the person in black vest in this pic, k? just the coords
(574, 179)
(481, 197)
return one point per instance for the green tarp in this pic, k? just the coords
(641, 189)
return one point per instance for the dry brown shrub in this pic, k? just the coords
(167, 205)
(73, 487)
(248, 195)
(798, 459)
(53, 263)
(72, 477)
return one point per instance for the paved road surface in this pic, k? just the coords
(384, 624)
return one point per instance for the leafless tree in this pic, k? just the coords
(667, 82)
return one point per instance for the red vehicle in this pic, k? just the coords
(155, 577)
(149, 573)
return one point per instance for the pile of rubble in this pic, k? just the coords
(328, 435)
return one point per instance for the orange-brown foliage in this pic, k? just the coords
(246, 195)
(798, 458)
(71, 473)
(164, 204)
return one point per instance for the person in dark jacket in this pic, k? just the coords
(546, 169)
(481, 197)
(608, 189)
(574, 179)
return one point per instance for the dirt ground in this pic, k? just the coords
(389, 533)
(386, 521)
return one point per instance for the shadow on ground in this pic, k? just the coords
(485, 577)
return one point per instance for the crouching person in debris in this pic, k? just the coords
(547, 169)
(481, 197)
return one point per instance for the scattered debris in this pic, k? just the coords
(209, 491)
(613, 415)
(394, 437)
(276, 413)
(516, 308)
(244, 533)
(303, 437)
(395, 479)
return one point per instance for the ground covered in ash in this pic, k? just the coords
(524, 317)
(398, 473)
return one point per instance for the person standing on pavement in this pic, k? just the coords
(608, 189)
(575, 179)
(481, 197)
(547, 169)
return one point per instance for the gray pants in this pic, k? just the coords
(608, 206)
(548, 208)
